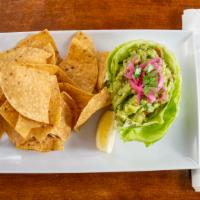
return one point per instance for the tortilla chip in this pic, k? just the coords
(50, 49)
(1, 132)
(28, 91)
(97, 102)
(9, 114)
(51, 69)
(50, 143)
(55, 103)
(2, 126)
(72, 105)
(101, 59)
(63, 77)
(2, 97)
(1, 93)
(24, 126)
(14, 137)
(21, 124)
(81, 97)
(47, 138)
(25, 54)
(86, 41)
(62, 130)
(80, 63)
(40, 40)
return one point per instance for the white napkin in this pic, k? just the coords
(191, 21)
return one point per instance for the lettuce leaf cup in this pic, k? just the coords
(143, 78)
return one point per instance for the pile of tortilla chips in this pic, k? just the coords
(42, 97)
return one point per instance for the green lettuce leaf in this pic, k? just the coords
(156, 127)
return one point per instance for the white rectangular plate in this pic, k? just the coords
(179, 149)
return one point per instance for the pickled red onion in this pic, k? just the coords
(151, 97)
(160, 82)
(137, 83)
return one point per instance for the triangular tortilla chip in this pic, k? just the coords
(2, 97)
(9, 114)
(72, 105)
(21, 124)
(46, 138)
(28, 91)
(63, 77)
(86, 41)
(25, 54)
(51, 69)
(80, 63)
(14, 137)
(49, 48)
(24, 126)
(55, 103)
(62, 130)
(40, 40)
(97, 102)
(50, 143)
(101, 58)
(81, 97)
(2, 126)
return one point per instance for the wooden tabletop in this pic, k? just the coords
(28, 15)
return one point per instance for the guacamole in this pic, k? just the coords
(143, 78)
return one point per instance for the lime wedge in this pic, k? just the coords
(105, 136)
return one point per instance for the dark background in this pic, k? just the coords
(28, 15)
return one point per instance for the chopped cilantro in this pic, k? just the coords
(153, 82)
(152, 73)
(146, 90)
(150, 68)
(150, 82)
(137, 72)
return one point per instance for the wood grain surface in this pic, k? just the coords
(28, 15)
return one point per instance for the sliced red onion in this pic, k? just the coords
(137, 83)
(151, 97)
(160, 81)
